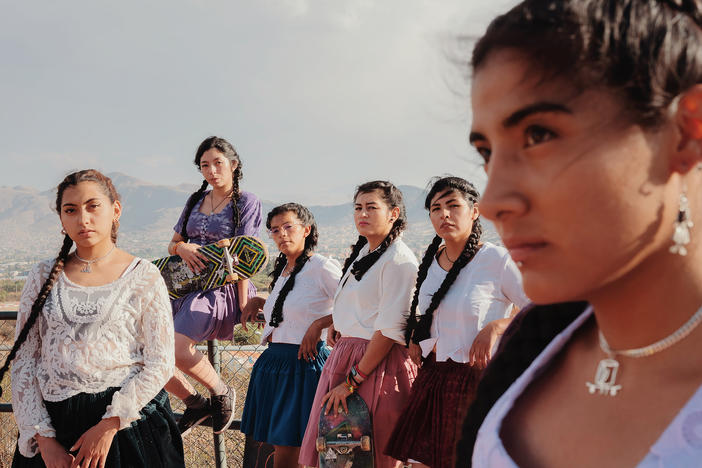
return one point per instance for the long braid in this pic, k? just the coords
(421, 276)
(189, 205)
(307, 219)
(38, 304)
(422, 330)
(355, 250)
(278, 267)
(236, 215)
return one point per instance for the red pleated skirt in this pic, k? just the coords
(428, 429)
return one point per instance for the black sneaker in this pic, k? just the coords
(223, 410)
(192, 417)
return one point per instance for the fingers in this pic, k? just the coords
(324, 400)
(343, 403)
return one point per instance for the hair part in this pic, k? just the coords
(418, 330)
(307, 219)
(392, 196)
(647, 52)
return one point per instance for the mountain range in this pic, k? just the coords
(29, 228)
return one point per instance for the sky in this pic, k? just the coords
(316, 96)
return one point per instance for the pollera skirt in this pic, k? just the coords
(280, 394)
(385, 391)
(209, 315)
(153, 440)
(428, 429)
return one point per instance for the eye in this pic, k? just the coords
(484, 153)
(536, 134)
(68, 210)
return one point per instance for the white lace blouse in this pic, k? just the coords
(90, 338)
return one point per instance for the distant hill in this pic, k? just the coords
(29, 227)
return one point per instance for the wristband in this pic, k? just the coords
(358, 372)
(175, 247)
(349, 386)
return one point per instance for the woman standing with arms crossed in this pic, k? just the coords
(209, 216)
(370, 310)
(465, 296)
(588, 114)
(93, 346)
(284, 378)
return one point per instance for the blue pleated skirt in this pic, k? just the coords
(280, 395)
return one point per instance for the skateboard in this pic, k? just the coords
(345, 439)
(229, 260)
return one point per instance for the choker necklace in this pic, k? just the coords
(86, 268)
(606, 375)
(213, 208)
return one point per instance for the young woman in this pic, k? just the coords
(285, 376)
(370, 310)
(208, 216)
(588, 114)
(93, 346)
(466, 294)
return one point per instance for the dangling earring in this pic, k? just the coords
(681, 234)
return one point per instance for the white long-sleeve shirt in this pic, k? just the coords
(483, 291)
(310, 299)
(90, 338)
(381, 300)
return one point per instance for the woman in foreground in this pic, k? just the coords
(588, 114)
(93, 347)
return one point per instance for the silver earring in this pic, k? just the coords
(681, 234)
(63, 231)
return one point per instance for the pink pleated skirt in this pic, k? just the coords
(386, 392)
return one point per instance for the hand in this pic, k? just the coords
(252, 308)
(53, 453)
(481, 350)
(308, 347)
(191, 256)
(336, 396)
(332, 336)
(95, 443)
(415, 352)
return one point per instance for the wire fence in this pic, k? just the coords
(236, 359)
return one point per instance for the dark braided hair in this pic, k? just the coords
(648, 53)
(73, 179)
(393, 197)
(228, 151)
(419, 330)
(307, 219)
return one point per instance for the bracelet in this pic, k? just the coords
(353, 380)
(175, 247)
(349, 386)
(358, 371)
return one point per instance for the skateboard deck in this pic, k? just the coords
(344, 440)
(229, 260)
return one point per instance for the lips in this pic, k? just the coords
(521, 250)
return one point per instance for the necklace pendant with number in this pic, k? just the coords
(605, 378)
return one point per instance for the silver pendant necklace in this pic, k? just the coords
(86, 268)
(212, 207)
(606, 374)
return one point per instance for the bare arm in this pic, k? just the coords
(188, 251)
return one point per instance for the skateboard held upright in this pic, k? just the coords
(345, 440)
(229, 260)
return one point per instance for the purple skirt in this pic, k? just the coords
(209, 315)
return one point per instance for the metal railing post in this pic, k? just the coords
(219, 448)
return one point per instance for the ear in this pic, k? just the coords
(117, 206)
(476, 212)
(688, 119)
(394, 214)
(307, 231)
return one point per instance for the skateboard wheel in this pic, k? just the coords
(223, 243)
(321, 444)
(365, 443)
(232, 278)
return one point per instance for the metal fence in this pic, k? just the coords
(234, 360)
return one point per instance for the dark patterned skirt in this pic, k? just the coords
(428, 429)
(153, 440)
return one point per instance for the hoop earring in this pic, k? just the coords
(683, 224)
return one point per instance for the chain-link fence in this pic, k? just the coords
(236, 358)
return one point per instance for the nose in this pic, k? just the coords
(83, 217)
(503, 196)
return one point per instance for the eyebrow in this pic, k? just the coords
(524, 112)
(84, 203)
(445, 194)
(369, 203)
